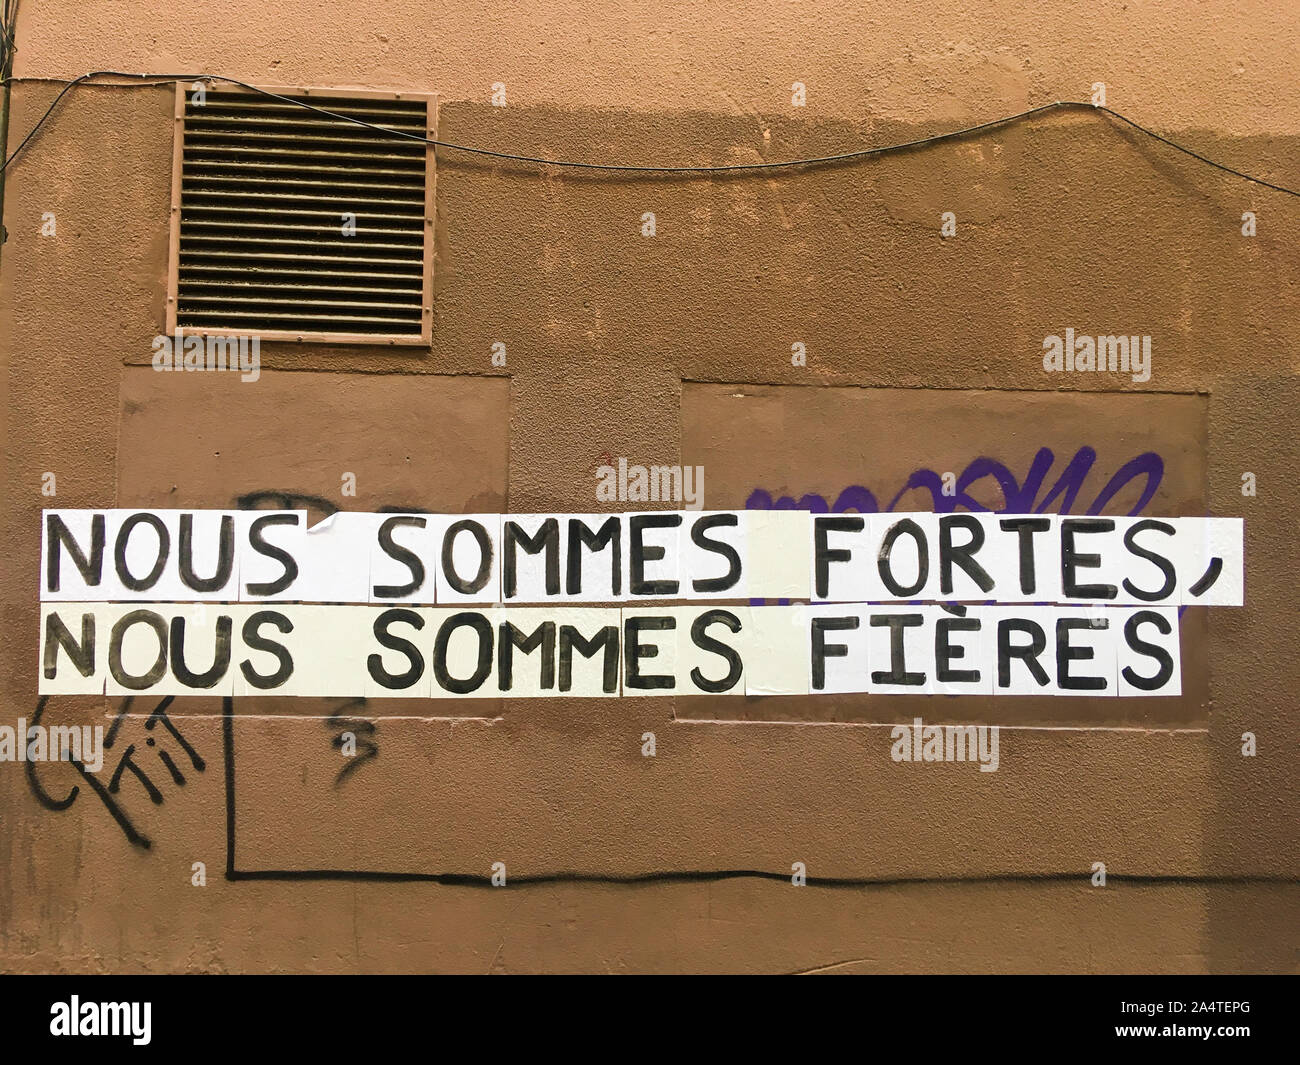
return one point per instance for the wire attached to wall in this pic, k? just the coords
(840, 157)
(8, 24)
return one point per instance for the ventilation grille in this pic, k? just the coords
(264, 190)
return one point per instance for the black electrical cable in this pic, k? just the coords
(8, 24)
(861, 153)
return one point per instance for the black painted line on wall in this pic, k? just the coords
(672, 876)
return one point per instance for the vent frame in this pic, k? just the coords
(304, 335)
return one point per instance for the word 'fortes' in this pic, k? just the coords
(268, 556)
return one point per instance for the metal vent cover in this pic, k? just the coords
(262, 194)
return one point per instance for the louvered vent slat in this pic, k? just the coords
(258, 276)
(263, 188)
(303, 193)
(241, 211)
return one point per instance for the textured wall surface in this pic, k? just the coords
(618, 345)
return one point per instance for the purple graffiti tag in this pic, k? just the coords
(1017, 497)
